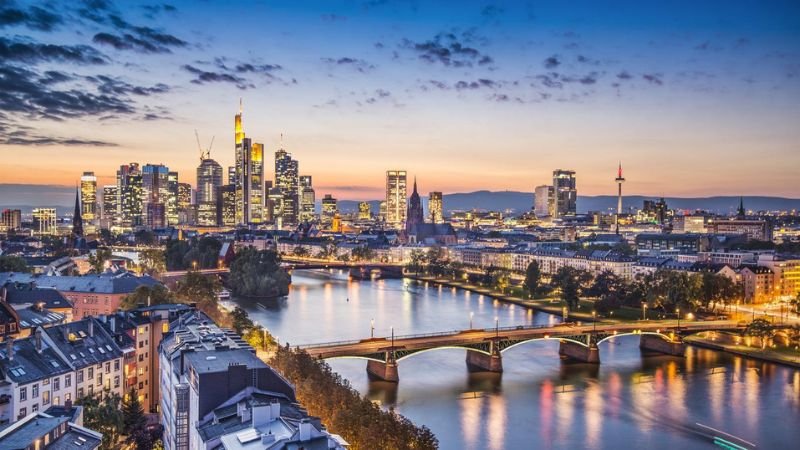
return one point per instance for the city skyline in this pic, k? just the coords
(484, 96)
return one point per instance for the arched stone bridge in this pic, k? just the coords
(485, 346)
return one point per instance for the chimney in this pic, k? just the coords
(112, 323)
(91, 326)
(38, 339)
(267, 438)
(305, 429)
(10, 348)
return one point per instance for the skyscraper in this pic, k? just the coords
(287, 181)
(415, 215)
(89, 198)
(209, 182)
(565, 193)
(396, 201)
(307, 199)
(129, 197)
(329, 209)
(364, 211)
(11, 220)
(110, 199)
(435, 207)
(44, 221)
(155, 195)
(172, 198)
(544, 201)
(248, 176)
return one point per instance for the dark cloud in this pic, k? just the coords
(203, 77)
(356, 64)
(480, 83)
(550, 81)
(551, 62)
(151, 11)
(449, 49)
(439, 84)
(379, 45)
(491, 11)
(25, 138)
(332, 18)
(624, 75)
(136, 38)
(109, 85)
(54, 76)
(586, 60)
(32, 52)
(34, 17)
(653, 78)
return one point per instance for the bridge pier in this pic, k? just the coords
(383, 371)
(579, 352)
(658, 344)
(481, 362)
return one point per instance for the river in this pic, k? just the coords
(630, 400)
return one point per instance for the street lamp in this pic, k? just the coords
(644, 310)
(496, 326)
(392, 329)
(471, 315)
(678, 312)
(371, 328)
(594, 321)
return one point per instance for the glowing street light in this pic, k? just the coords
(594, 321)
(678, 312)
(496, 326)
(644, 310)
(371, 328)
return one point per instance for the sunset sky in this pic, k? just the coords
(695, 98)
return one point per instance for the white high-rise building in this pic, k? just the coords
(396, 197)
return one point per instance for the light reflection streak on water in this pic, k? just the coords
(593, 410)
(471, 423)
(496, 425)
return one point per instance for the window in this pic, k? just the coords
(46, 381)
(91, 373)
(80, 376)
(80, 392)
(141, 385)
(23, 412)
(91, 389)
(142, 330)
(35, 407)
(116, 381)
(35, 390)
(141, 371)
(141, 344)
(46, 397)
(165, 327)
(57, 400)
(23, 394)
(56, 384)
(108, 367)
(116, 365)
(67, 380)
(67, 396)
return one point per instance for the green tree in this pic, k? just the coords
(133, 418)
(12, 263)
(362, 253)
(144, 237)
(152, 261)
(533, 278)
(156, 295)
(417, 261)
(571, 282)
(104, 415)
(301, 252)
(240, 321)
(761, 329)
(255, 273)
(98, 259)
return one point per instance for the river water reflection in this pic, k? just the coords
(630, 400)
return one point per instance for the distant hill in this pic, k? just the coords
(27, 197)
(523, 201)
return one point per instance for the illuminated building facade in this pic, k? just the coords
(364, 211)
(226, 206)
(129, 197)
(172, 198)
(209, 182)
(110, 198)
(184, 196)
(44, 221)
(307, 199)
(10, 220)
(544, 202)
(396, 200)
(329, 210)
(287, 181)
(255, 181)
(248, 176)
(435, 207)
(565, 193)
(89, 198)
(155, 195)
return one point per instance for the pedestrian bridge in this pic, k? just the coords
(485, 346)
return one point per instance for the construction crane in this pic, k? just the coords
(204, 154)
